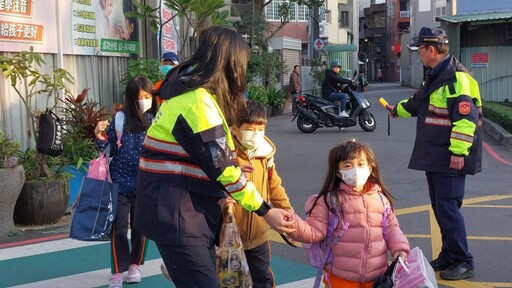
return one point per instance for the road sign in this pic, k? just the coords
(319, 44)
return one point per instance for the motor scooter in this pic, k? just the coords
(315, 112)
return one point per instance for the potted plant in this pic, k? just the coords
(21, 71)
(80, 118)
(42, 200)
(276, 99)
(259, 94)
(12, 177)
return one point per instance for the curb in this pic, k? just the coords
(496, 132)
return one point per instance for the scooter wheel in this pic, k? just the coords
(367, 122)
(305, 125)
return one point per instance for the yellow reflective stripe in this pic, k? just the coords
(172, 167)
(164, 146)
(438, 110)
(249, 197)
(459, 143)
(462, 137)
(400, 110)
(438, 121)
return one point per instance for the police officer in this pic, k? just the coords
(187, 164)
(448, 144)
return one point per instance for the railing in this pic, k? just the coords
(404, 14)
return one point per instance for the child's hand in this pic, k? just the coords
(100, 129)
(400, 254)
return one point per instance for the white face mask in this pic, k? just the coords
(252, 139)
(145, 104)
(355, 177)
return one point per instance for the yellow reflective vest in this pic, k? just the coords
(448, 108)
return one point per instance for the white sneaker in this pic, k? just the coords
(343, 114)
(116, 281)
(133, 275)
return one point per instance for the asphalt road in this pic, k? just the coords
(301, 161)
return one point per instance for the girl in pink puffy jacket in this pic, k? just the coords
(354, 185)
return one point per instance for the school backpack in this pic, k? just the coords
(50, 140)
(119, 127)
(319, 254)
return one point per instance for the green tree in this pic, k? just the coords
(198, 14)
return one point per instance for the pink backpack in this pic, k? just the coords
(319, 254)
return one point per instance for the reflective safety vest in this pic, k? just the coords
(190, 139)
(449, 113)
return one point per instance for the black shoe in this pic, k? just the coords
(458, 271)
(440, 264)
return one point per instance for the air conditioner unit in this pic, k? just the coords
(323, 30)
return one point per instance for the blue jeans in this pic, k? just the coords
(341, 97)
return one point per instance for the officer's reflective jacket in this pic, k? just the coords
(190, 138)
(449, 119)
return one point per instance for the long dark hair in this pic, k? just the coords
(134, 118)
(220, 63)
(347, 151)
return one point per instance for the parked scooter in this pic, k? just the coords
(315, 112)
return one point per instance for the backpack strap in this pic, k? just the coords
(331, 240)
(119, 127)
(387, 212)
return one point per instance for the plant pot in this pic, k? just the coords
(42, 202)
(12, 180)
(268, 109)
(276, 110)
(75, 183)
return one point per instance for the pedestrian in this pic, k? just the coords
(332, 85)
(167, 63)
(448, 144)
(379, 75)
(360, 82)
(255, 150)
(354, 189)
(295, 87)
(187, 163)
(140, 107)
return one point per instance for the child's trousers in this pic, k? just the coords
(122, 257)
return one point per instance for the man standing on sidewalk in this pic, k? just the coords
(448, 144)
(295, 87)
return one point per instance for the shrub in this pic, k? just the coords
(499, 113)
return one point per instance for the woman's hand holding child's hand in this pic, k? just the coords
(280, 220)
(100, 129)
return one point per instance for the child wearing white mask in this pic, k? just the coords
(255, 154)
(354, 189)
(139, 109)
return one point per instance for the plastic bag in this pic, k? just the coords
(232, 267)
(416, 273)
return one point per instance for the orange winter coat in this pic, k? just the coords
(361, 254)
(253, 228)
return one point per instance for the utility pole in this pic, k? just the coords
(313, 32)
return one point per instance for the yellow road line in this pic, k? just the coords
(489, 206)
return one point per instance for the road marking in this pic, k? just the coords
(495, 155)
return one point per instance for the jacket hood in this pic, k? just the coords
(174, 85)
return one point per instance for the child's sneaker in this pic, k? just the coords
(116, 281)
(133, 275)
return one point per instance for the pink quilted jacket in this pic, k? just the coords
(361, 254)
